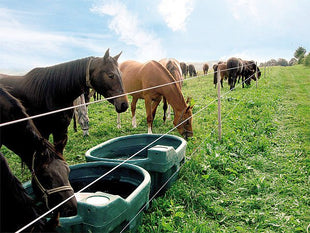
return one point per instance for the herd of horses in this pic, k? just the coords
(44, 90)
(233, 69)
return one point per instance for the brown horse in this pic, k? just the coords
(137, 76)
(50, 172)
(173, 66)
(56, 87)
(184, 68)
(220, 68)
(205, 68)
(17, 208)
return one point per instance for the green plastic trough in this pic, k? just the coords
(110, 204)
(161, 159)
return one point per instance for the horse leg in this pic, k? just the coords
(74, 121)
(165, 108)
(60, 140)
(133, 111)
(149, 118)
(119, 121)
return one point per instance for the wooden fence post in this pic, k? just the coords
(256, 75)
(219, 104)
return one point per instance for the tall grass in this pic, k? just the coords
(255, 180)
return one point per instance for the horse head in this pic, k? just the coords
(50, 181)
(184, 121)
(105, 78)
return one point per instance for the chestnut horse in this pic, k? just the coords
(51, 88)
(137, 76)
(50, 172)
(173, 66)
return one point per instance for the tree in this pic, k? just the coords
(299, 54)
(282, 62)
(292, 62)
(307, 60)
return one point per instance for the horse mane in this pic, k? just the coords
(16, 109)
(164, 69)
(54, 80)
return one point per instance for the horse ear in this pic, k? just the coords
(106, 55)
(117, 56)
(190, 102)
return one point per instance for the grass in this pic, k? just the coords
(256, 179)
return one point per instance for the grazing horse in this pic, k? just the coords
(205, 68)
(56, 87)
(50, 172)
(173, 66)
(235, 68)
(17, 208)
(184, 69)
(137, 76)
(248, 72)
(191, 70)
(81, 115)
(222, 69)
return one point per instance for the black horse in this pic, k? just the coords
(50, 172)
(56, 87)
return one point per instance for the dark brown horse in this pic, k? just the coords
(137, 76)
(51, 88)
(205, 68)
(49, 170)
(235, 68)
(173, 66)
(184, 69)
(191, 70)
(17, 208)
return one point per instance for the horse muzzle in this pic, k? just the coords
(120, 105)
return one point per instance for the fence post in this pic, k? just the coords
(219, 104)
(256, 75)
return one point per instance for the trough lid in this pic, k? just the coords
(97, 200)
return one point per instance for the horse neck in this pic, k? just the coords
(174, 96)
(61, 83)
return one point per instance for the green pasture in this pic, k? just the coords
(256, 179)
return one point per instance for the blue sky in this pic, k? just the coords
(46, 32)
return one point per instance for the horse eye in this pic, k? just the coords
(111, 76)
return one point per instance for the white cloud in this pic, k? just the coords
(22, 47)
(127, 26)
(175, 13)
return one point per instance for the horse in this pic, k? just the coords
(191, 70)
(220, 68)
(205, 68)
(248, 72)
(50, 172)
(137, 76)
(51, 88)
(80, 115)
(184, 69)
(173, 66)
(17, 208)
(235, 68)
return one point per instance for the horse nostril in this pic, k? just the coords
(124, 106)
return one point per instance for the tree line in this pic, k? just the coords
(300, 57)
